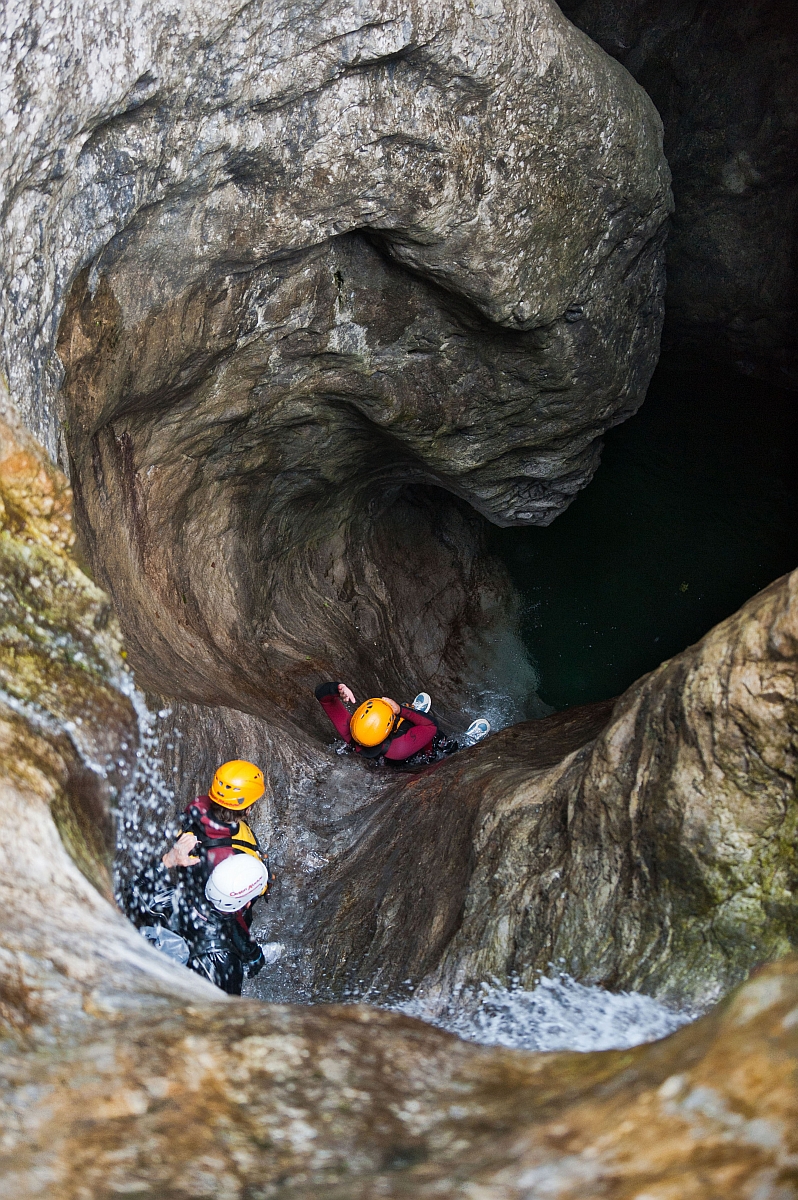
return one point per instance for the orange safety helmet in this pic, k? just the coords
(237, 784)
(372, 722)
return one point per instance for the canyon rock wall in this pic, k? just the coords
(123, 1074)
(724, 80)
(328, 287)
(323, 283)
(350, 1103)
(658, 854)
(68, 740)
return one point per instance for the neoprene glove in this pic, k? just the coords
(255, 964)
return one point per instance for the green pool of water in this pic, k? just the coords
(692, 511)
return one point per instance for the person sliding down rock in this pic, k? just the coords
(382, 729)
(211, 917)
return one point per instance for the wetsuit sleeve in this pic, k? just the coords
(414, 740)
(336, 710)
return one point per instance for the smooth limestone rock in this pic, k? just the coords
(659, 855)
(125, 1075)
(324, 281)
(724, 79)
(495, 151)
(68, 739)
(293, 258)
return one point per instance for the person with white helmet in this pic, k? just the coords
(211, 918)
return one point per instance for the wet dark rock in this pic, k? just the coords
(329, 289)
(657, 854)
(724, 79)
(122, 1073)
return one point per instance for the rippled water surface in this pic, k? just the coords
(692, 511)
(558, 1014)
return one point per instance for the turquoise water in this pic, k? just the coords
(692, 511)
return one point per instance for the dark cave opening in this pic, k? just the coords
(691, 512)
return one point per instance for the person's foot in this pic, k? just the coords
(476, 731)
(422, 702)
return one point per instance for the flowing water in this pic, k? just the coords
(558, 1014)
(692, 511)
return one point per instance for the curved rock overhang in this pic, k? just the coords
(388, 269)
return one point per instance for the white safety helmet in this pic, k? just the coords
(235, 881)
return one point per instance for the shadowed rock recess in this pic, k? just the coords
(300, 298)
(724, 78)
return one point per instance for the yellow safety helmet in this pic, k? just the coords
(372, 722)
(237, 784)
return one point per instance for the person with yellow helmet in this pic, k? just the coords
(221, 947)
(235, 787)
(381, 728)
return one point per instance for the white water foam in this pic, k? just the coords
(558, 1014)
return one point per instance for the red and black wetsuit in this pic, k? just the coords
(216, 841)
(413, 733)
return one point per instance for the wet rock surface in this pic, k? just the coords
(325, 287)
(657, 854)
(327, 290)
(723, 78)
(280, 377)
(125, 1074)
(68, 740)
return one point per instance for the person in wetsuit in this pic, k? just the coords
(236, 786)
(382, 729)
(171, 894)
(212, 915)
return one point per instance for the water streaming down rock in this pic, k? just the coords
(145, 810)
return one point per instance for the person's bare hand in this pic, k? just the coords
(346, 694)
(394, 707)
(180, 854)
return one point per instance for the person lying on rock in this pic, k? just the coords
(204, 923)
(382, 729)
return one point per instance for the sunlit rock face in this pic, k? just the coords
(724, 80)
(657, 854)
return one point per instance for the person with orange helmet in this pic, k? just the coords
(382, 729)
(191, 877)
(235, 787)
(379, 728)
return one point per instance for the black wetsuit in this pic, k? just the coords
(220, 944)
